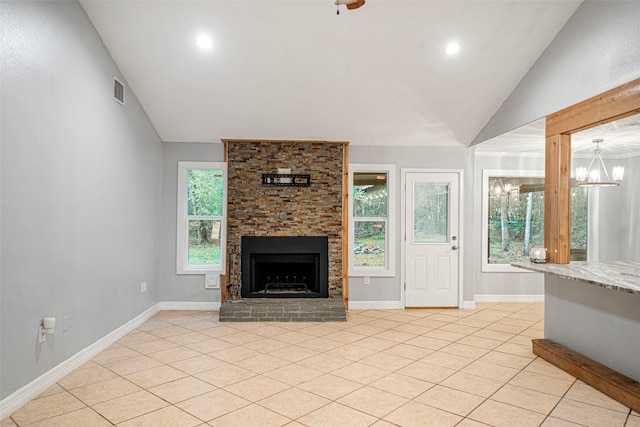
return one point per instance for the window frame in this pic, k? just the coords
(389, 270)
(592, 218)
(182, 228)
(496, 173)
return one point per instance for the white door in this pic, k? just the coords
(431, 239)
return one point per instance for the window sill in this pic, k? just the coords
(501, 268)
(371, 273)
(202, 271)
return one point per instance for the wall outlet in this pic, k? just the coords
(212, 281)
(367, 280)
(143, 287)
(66, 323)
(42, 337)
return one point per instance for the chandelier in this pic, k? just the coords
(596, 174)
(498, 188)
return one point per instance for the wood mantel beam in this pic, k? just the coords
(615, 104)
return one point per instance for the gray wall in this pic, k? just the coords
(602, 324)
(620, 214)
(389, 288)
(80, 190)
(629, 213)
(494, 283)
(191, 287)
(613, 240)
(597, 50)
(180, 287)
(610, 214)
(619, 223)
(88, 200)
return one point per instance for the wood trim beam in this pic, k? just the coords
(557, 199)
(617, 103)
(612, 383)
(223, 278)
(345, 226)
(281, 141)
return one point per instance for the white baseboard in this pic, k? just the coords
(468, 305)
(508, 298)
(25, 394)
(375, 305)
(196, 306)
(394, 305)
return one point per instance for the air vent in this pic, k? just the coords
(118, 90)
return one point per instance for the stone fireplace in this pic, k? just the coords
(258, 209)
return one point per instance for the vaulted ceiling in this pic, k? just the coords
(620, 138)
(377, 75)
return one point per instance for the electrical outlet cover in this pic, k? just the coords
(212, 282)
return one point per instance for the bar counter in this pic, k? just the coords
(622, 276)
(593, 308)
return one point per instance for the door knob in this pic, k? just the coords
(454, 247)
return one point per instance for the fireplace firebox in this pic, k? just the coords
(285, 267)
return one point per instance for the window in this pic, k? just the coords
(431, 213)
(201, 217)
(513, 218)
(371, 219)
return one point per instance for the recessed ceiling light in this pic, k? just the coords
(452, 48)
(204, 41)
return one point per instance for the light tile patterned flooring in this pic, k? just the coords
(466, 368)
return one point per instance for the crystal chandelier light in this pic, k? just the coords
(596, 174)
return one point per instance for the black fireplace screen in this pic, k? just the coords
(285, 267)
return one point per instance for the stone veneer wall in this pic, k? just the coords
(257, 210)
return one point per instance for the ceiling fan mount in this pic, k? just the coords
(351, 4)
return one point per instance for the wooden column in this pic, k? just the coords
(615, 104)
(345, 226)
(224, 277)
(557, 198)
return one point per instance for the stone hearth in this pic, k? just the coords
(283, 310)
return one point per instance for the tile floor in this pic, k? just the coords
(466, 368)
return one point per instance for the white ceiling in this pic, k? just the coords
(619, 139)
(294, 69)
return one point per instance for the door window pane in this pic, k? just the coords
(369, 243)
(431, 213)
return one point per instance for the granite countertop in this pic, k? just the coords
(622, 276)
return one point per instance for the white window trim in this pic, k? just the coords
(182, 251)
(486, 173)
(593, 219)
(390, 241)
